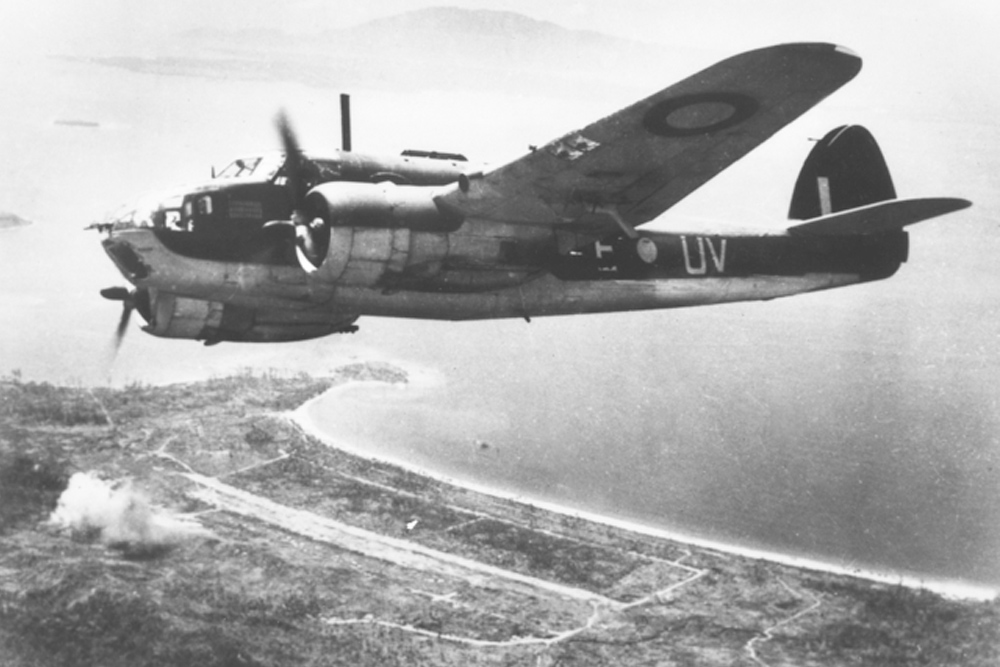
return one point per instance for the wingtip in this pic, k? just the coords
(826, 49)
(837, 56)
(846, 51)
(820, 46)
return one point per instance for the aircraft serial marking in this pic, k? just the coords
(718, 256)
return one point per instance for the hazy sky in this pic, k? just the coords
(968, 24)
(945, 45)
(932, 59)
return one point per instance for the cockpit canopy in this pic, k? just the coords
(177, 210)
(259, 168)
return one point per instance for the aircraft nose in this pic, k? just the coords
(144, 212)
(128, 260)
(134, 215)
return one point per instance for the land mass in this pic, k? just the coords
(439, 48)
(8, 220)
(310, 556)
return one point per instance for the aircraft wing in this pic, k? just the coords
(628, 168)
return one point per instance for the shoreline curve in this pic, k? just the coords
(955, 589)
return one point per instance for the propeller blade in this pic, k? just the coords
(310, 242)
(128, 299)
(127, 308)
(293, 159)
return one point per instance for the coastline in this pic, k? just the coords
(294, 551)
(960, 590)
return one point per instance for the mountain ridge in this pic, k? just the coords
(439, 47)
(422, 23)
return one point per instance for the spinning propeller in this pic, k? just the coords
(297, 167)
(131, 300)
(304, 220)
(293, 163)
(295, 181)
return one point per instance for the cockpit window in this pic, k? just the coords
(240, 168)
(146, 211)
(262, 167)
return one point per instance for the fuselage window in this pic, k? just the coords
(205, 205)
(172, 220)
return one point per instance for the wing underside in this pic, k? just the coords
(626, 169)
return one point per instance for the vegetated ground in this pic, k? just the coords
(317, 557)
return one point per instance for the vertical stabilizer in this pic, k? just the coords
(844, 170)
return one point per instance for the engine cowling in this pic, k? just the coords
(387, 236)
(381, 206)
(367, 233)
(172, 316)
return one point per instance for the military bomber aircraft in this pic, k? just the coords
(289, 246)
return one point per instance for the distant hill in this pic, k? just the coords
(483, 36)
(8, 220)
(436, 48)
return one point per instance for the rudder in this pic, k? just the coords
(844, 170)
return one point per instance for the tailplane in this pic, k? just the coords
(880, 218)
(844, 189)
(844, 170)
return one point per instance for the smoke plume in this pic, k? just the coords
(121, 517)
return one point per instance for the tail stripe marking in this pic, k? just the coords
(825, 204)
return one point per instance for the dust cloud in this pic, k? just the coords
(120, 516)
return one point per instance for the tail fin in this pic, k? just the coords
(845, 170)
(845, 188)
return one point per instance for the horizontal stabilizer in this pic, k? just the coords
(886, 216)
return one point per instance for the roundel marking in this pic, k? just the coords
(700, 113)
(645, 247)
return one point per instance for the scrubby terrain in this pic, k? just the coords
(206, 529)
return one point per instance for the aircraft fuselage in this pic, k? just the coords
(481, 272)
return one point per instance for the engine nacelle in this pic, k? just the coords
(386, 236)
(380, 205)
(173, 316)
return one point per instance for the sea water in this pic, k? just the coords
(739, 424)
